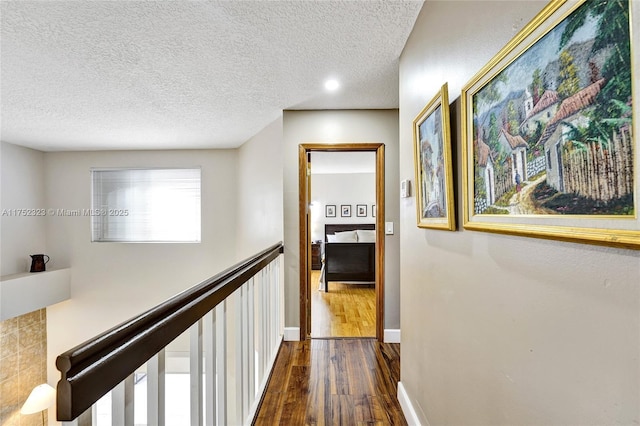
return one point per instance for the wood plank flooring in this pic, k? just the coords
(347, 310)
(333, 382)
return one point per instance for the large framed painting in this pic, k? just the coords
(433, 164)
(547, 130)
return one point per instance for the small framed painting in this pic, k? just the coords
(345, 210)
(330, 210)
(433, 166)
(361, 210)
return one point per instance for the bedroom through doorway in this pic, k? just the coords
(343, 254)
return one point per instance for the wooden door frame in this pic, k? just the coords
(303, 211)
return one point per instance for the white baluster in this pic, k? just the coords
(195, 372)
(269, 307)
(268, 312)
(251, 353)
(264, 313)
(156, 389)
(279, 286)
(274, 318)
(122, 403)
(221, 362)
(239, 365)
(209, 332)
(245, 350)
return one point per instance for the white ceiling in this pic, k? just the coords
(87, 75)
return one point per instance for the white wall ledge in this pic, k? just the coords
(30, 291)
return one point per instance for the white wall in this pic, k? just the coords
(111, 282)
(343, 126)
(22, 187)
(260, 201)
(504, 330)
(340, 189)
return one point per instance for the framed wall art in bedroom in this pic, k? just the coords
(330, 210)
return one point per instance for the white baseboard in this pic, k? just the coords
(407, 408)
(292, 334)
(392, 335)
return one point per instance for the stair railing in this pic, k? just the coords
(246, 298)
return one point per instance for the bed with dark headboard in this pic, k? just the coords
(349, 261)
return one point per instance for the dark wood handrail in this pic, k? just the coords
(96, 366)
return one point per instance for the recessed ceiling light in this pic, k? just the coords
(331, 85)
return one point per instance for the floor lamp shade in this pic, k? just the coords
(40, 398)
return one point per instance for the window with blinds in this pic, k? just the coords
(145, 205)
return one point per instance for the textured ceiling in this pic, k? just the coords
(189, 74)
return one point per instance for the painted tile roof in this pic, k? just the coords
(482, 153)
(514, 141)
(578, 102)
(548, 98)
(572, 105)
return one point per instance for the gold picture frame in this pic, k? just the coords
(537, 158)
(435, 206)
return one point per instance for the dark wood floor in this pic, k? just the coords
(334, 382)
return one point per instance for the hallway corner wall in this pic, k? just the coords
(500, 329)
(260, 200)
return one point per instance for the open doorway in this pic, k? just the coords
(342, 276)
(324, 273)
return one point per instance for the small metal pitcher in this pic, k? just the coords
(38, 264)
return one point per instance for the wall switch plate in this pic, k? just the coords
(405, 188)
(388, 228)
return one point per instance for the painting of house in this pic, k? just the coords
(486, 171)
(570, 115)
(427, 183)
(516, 147)
(557, 123)
(431, 167)
(541, 113)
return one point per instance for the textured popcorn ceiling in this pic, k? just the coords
(188, 74)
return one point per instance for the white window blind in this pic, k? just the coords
(146, 205)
